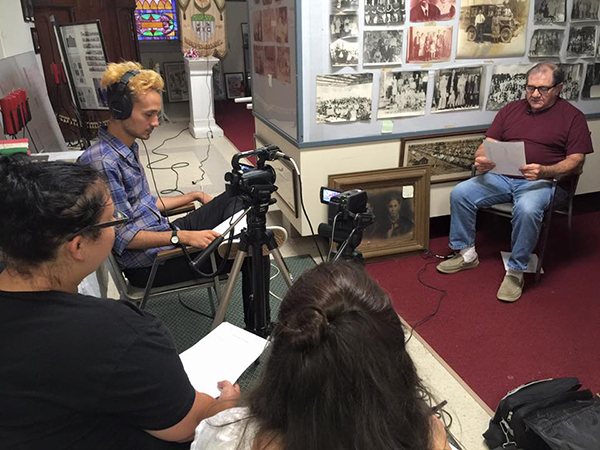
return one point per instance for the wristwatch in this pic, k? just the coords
(174, 238)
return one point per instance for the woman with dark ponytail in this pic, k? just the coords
(78, 371)
(338, 376)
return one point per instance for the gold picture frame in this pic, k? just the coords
(399, 199)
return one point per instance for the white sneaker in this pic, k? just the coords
(279, 233)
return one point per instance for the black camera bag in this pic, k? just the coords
(508, 430)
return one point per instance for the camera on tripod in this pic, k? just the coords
(253, 183)
(347, 218)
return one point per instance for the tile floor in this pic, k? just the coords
(470, 415)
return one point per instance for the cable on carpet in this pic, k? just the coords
(442, 292)
(194, 310)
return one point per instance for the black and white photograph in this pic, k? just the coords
(344, 98)
(258, 57)
(507, 85)
(384, 12)
(270, 60)
(432, 10)
(457, 89)
(429, 44)
(343, 53)
(70, 42)
(257, 26)
(402, 94)
(281, 29)
(283, 65)
(101, 93)
(176, 82)
(394, 215)
(585, 10)
(382, 47)
(572, 84)
(582, 42)
(549, 11)
(492, 29)
(450, 157)
(344, 5)
(591, 85)
(343, 26)
(546, 43)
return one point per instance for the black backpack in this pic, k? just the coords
(539, 400)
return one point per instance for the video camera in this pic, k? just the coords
(347, 217)
(255, 184)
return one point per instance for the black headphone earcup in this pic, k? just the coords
(121, 107)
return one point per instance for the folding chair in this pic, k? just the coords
(142, 295)
(564, 208)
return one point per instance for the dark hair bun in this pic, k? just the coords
(306, 329)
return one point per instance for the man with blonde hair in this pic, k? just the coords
(135, 102)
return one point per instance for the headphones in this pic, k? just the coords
(120, 104)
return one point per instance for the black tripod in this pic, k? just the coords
(252, 240)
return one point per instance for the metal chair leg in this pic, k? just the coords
(149, 284)
(543, 241)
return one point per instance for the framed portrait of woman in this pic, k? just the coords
(399, 201)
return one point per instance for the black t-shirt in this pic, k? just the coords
(83, 372)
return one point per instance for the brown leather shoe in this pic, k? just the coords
(456, 264)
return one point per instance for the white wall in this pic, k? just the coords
(15, 34)
(235, 14)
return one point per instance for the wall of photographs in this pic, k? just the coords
(412, 66)
(273, 49)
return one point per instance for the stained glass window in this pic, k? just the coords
(156, 20)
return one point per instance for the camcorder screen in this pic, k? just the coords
(327, 194)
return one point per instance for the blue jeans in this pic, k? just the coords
(530, 200)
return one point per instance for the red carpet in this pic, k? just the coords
(237, 123)
(552, 331)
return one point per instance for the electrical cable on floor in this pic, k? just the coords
(442, 292)
(173, 167)
(273, 277)
(209, 133)
(194, 310)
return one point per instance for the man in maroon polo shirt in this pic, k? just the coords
(556, 138)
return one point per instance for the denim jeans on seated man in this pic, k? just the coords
(530, 199)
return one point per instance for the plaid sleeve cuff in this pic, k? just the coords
(124, 236)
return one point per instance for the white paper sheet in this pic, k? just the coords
(508, 156)
(531, 265)
(222, 227)
(223, 354)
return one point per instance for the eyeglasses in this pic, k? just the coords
(543, 90)
(119, 218)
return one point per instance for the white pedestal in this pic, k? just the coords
(202, 120)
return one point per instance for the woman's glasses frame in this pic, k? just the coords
(119, 218)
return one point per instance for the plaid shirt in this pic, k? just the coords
(131, 195)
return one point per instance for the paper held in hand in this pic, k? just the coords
(223, 354)
(508, 156)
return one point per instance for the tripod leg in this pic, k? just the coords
(260, 292)
(224, 303)
(287, 277)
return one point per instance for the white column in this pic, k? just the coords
(202, 120)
